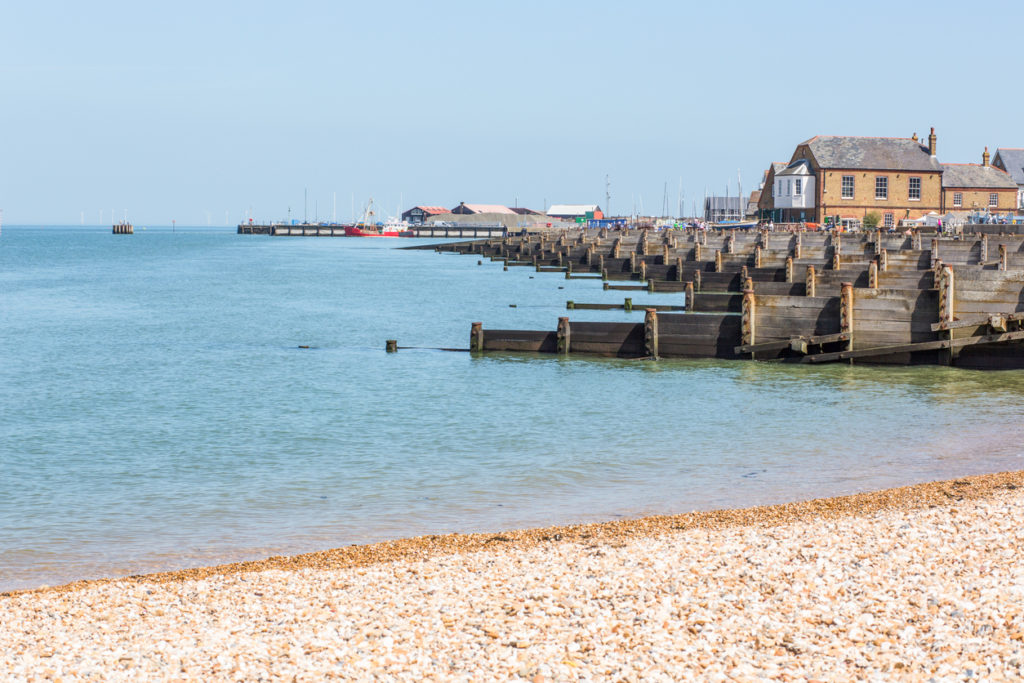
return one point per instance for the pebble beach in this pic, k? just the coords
(922, 582)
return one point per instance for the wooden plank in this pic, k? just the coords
(779, 345)
(914, 347)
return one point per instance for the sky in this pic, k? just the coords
(208, 113)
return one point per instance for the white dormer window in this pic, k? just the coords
(797, 187)
(789, 187)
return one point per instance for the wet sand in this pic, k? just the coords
(915, 582)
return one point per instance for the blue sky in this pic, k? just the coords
(203, 111)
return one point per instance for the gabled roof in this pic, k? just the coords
(883, 154)
(799, 167)
(1013, 161)
(484, 208)
(572, 209)
(430, 210)
(522, 211)
(976, 175)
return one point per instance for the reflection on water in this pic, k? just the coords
(159, 411)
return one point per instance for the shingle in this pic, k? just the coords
(1013, 161)
(883, 154)
(975, 175)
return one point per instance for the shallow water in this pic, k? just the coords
(157, 412)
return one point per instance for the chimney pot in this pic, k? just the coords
(931, 142)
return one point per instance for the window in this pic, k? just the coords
(881, 187)
(914, 192)
(789, 187)
(797, 184)
(993, 199)
(958, 199)
(847, 187)
(888, 220)
(779, 192)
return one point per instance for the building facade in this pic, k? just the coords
(895, 178)
(418, 215)
(1011, 160)
(978, 188)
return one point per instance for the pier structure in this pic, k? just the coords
(809, 297)
(463, 231)
(123, 228)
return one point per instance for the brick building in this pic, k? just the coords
(977, 187)
(766, 202)
(849, 177)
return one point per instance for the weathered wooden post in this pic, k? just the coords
(946, 295)
(617, 247)
(651, 333)
(798, 249)
(562, 343)
(563, 239)
(749, 319)
(570, 305)
(476, 337)
(748, 283)
(697, 252)
(600, 266)
(560, 265)
(873, 274)
(664, 253)
(679, 269)
(697, 278)
(730, 244)
(643, 270)
(883, 260)
(642, 246)
(391, 345)
(704, 237)
(935, 252)
(718, 260)
(837, 263)
(590, 255)
(810, 286)
(984, 249)
(878, 242)
(1002, 257)
(846, 312)
(627, 305)
(568, 270)
(689, 296)
(536, 266)
(604, 233)
(789, 269)
(632, 261)
(744, 272)
(915, 240)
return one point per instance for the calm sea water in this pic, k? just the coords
(157, 411)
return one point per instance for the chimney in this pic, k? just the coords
(931, 142)
(984, 158)
(914, 138)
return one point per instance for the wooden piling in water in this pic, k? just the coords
(789, 269)
(563, 335)
(873, 275)
(846, 312)
(391, 345)
(748, 324)
(651, 333)
(476, 337)
(810, 282)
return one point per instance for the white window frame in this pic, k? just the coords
(958, 199)
(881, 187)
(842, 187)
(797, 187)
(910, 188)
(993, 200)
(888, 219)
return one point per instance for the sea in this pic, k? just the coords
(186, 397)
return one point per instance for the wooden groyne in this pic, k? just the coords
(797, 297)
(467, 231)
(123, 228)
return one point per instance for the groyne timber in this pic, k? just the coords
(804, 297)
(319, 230)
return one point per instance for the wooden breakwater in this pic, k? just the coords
(467, 231)
(798, 297)
(123, 228)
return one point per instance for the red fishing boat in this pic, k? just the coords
(367, 227)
